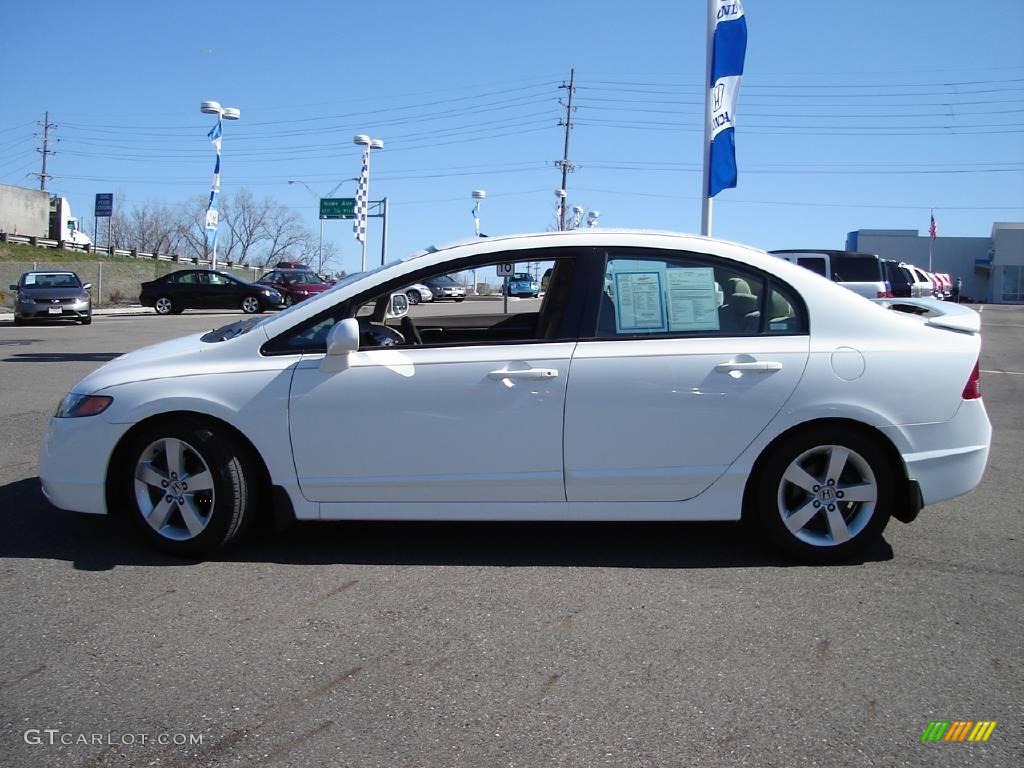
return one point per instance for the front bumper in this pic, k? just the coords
(73, 462)
(946, 459)
(42, 310)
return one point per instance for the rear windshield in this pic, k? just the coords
(856, 269)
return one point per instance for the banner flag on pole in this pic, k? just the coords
(362, 198)
(476, 217)
(728, 49)
(212, 214)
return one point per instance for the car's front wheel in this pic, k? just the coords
(288, 300)
(163, 305)
(823, 495)
(413, 296)
(250, 305)
(186, 487)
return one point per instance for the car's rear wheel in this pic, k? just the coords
(163, 305)
(823, 495)
(413, 297)
(186, 487)
(250, 305)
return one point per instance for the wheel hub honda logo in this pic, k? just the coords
(827, 494)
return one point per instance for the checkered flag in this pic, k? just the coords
(362, 198)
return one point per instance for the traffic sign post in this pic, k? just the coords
(505, 271)
(337, 207)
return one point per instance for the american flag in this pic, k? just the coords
(932, 229)
(362, 198)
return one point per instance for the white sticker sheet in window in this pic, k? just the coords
(639, 306)
(692, 299)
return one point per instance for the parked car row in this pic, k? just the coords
(870, 275)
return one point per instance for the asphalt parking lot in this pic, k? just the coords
(525, 645)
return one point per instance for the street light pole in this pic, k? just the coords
(369, 144)
(223, 113)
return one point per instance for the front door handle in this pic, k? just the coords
(527, 373)
(762, 366)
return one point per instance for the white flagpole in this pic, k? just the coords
(705, 208)
(930, 238)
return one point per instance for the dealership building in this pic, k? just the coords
(991, 268)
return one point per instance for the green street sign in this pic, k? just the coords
(337, 207)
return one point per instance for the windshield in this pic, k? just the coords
(300, 276)
(50, 280)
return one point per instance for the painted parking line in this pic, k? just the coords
(1008, 373)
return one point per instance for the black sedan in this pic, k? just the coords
(207, 289)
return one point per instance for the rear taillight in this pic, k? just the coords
(973, 389)
(887, 293)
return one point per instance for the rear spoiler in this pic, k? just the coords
(940, 314)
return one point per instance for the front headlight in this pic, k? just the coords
(74, 405)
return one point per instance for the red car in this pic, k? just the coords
(295, 284)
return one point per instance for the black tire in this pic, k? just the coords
(288, 300)
(413, 297)
(164, 305)
(772, 498)
(19, 320)
(251, 305)
(87, 320)
(461, 299)
(227, 505)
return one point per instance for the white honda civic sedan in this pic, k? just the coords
(663, 377)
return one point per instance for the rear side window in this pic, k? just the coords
(896, 275)
(856, 269)
(813, 263)
(653, 295)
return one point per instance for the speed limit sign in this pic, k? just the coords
(506, 270)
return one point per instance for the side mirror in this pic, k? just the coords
(87, 286)
(343, 338)
(12, 287)
(398, 306)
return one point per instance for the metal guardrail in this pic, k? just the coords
(133, 253)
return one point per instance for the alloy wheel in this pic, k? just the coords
(250, 305)
(827, 495)
(163, 306)
(174, 489)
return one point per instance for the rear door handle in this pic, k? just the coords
(762, 366)
(528, 374)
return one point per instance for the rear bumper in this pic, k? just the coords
(948, 459)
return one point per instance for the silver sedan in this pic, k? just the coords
(51, 295)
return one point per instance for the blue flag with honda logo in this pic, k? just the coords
(728, 49)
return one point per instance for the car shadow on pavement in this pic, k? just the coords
(31, 528)
(62, 357)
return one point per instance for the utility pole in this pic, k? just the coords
(45, 151)
(565, 164)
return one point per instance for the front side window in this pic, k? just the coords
(652, 296)
(480, 319)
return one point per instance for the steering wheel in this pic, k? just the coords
(410, 331)
(378, 335)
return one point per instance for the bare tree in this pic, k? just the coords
(286, 237)
(246, 220)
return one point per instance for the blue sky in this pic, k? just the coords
(851, 115)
